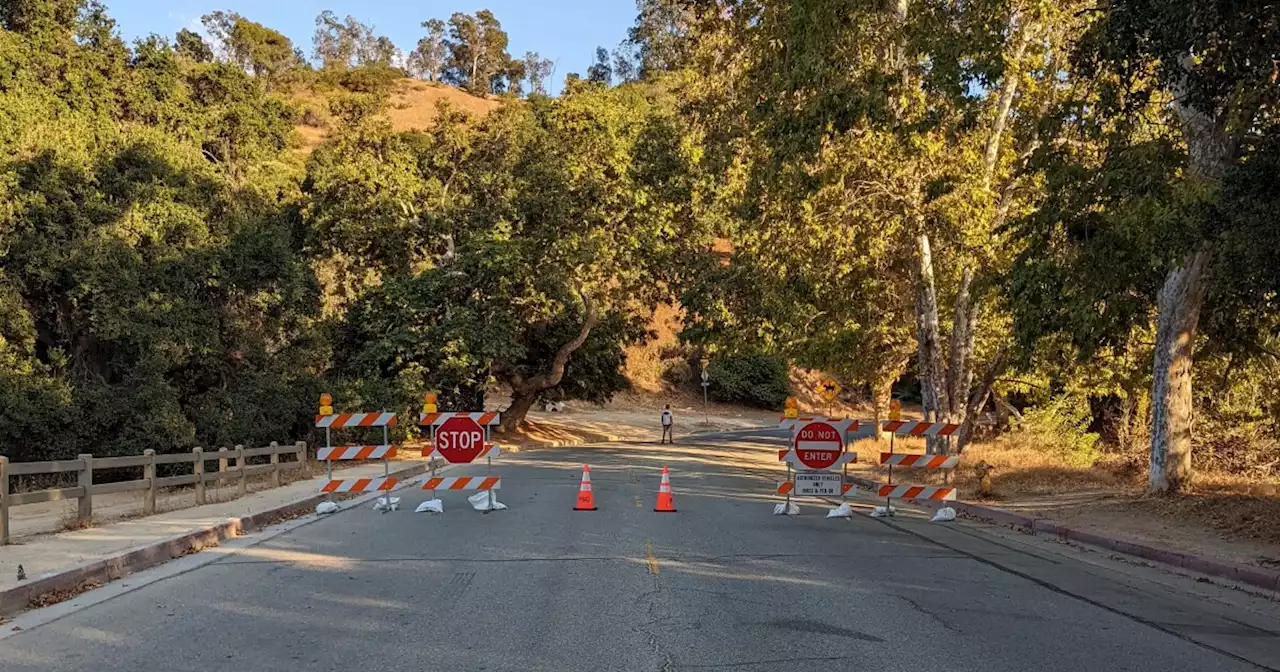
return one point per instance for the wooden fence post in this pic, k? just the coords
(275, 464)
(198, 469)
(303, 465)
(222, 465)
(243, 488)
(4, 500)
(85, 515)
(149, 473)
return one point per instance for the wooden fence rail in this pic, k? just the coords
(232, 464)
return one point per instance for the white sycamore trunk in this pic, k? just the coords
(1178, 307)
(1210, 152)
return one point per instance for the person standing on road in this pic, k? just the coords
(667, 420)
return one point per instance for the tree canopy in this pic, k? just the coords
(998, 202)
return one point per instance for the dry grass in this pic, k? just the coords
(1109, 494)
(412, 107)
(1020, 469)
(647, 362)
(71, 523)
(413, 103)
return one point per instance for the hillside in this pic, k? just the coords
(412, 106)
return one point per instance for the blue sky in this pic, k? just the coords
(565, 31)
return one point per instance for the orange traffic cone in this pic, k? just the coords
(665, 503)
(586, 499)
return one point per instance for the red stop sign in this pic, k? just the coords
(818, 445)
(460, 440)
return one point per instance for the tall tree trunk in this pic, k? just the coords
(524, 391)
(1210, 152)
(960, 366)
(959, 373)
(881, 397)
(1178, 314)
(978, 400)
(929, 352)
(1008, 89)
(521, 403)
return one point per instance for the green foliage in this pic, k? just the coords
(762, 381)
(372, 79)
(476, 51)
(1061, 424)
(481, 242)
(259, 50)
(427, 59)
(193, 47)
(150, 299)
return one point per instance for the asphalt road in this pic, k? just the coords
(720, 585)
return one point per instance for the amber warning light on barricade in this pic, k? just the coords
(792, 408)
(429, 403)
(326, 404)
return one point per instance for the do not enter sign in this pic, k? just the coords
(819, 445)
(460, 440)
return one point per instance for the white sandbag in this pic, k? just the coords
(430, 506)
(882, 511)
(381, 504)
(842, 511)
(784, 510)
(480, 502)
(326, 507)
(945, 514)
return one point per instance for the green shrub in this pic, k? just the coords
(369, 79)
(754, 380)
(1062, 425)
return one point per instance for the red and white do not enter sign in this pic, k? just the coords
(460, 440)
(819, 445)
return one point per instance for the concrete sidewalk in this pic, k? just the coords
(51, 554)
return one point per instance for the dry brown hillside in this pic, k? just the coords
(412, 107)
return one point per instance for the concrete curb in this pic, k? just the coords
(129, 562)
(1257, 577)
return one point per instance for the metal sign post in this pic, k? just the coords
(887, 510)
(386, 465)
(328, 464)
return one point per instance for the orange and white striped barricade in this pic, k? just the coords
(359, 484)
(941, 493)
(914, 461)
(486, 419)
(920, 428)
(791, 423)
(329, 453)
(461, 438)
(462, 483)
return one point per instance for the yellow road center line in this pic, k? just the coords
(650, 559)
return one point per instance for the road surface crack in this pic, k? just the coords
(775, 661)
(652, 619)
(938, 619)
